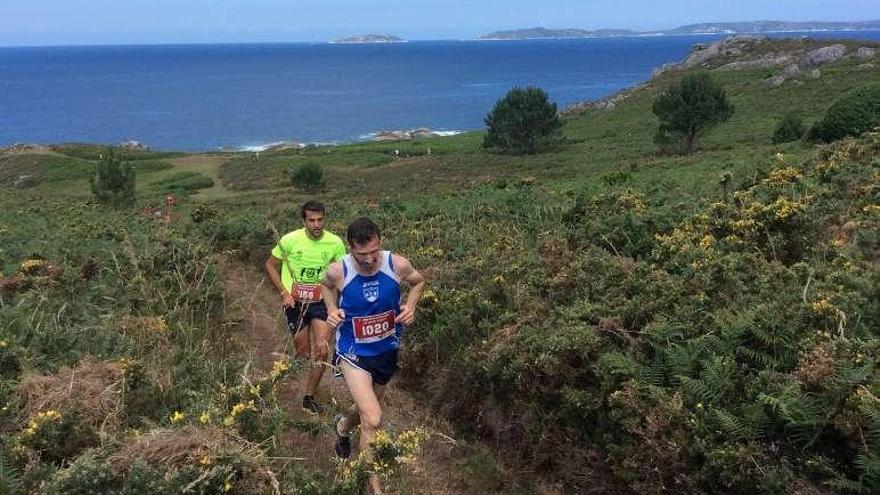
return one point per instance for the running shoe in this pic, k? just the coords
(343, 443)
(311, 406)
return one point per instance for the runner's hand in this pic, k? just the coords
(287, 300)
(407, 315)
(335, 317)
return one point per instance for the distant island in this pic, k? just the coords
(704, 28)
(370, 38)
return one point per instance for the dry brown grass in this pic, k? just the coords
(91, 389)
(188, 445)
(174, 448)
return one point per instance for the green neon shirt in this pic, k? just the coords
(305, 259)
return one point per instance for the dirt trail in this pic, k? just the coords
(435, 472)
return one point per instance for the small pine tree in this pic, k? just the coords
(689, 108)
(308, 177)
(113, 182)
(523, 122)
(791, 128)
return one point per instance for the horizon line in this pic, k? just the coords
(634, 33)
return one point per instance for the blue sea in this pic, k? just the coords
(247, 96)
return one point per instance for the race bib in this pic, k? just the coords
(307, 292)
(373, 328)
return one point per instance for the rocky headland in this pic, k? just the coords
(789, 61)
(751, 27)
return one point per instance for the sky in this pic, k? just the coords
(76, 22)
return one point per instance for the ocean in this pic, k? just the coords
(248, 96)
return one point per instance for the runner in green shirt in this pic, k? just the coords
(301, 257)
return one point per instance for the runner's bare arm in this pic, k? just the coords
(416, 283)
(273, 268)
(329, 285)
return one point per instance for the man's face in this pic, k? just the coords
(366, 255)
(314, 223)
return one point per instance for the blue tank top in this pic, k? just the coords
(370, 303)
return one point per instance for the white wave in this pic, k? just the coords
(253, 148)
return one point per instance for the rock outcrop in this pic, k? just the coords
(865, 52)
(822, 55)
(403, 135)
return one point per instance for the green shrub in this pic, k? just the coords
(308, 177)
(113, 181)
(855, 112)
(88, 475)
(791, 128)
(523, 122)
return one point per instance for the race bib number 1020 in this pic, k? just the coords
(373, 328)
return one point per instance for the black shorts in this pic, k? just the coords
(298, 318)
(381, 367)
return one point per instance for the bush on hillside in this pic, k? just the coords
(308, 177)
(113, 181)
(855, 112)
(791, 128)
(688, 109)
(523, 122)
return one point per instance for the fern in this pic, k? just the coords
(734, 427)
(682, 359)
(697, 390)
(11, 482)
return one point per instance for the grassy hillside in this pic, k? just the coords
(602, 317)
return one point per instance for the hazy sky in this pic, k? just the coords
(54, 22)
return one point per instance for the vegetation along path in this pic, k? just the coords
(435, 470)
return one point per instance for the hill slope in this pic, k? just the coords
(601, 318)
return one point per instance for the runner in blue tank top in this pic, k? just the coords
(362, 294)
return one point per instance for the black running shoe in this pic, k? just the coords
(343, 444)
(311, 406)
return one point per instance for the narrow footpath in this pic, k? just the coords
(436, 470)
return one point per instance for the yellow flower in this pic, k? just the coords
(30, 266)
(822, 306)
(279, 368)
(177, 417)
(429, 298)
(707, 241)
(227, 486)
(206, 460)
(782, 176)
(205, 418)
(157, 324)
(3, 344)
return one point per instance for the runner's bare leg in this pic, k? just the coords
(366, 397)
(322, 335)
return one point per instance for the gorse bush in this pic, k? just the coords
(686, 348)
(308, 177)
(855, 112)
(113, 182)
(790, 128)
(524, 121)
(687, 109)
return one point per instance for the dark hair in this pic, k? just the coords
(310, 206)
(361, 231)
